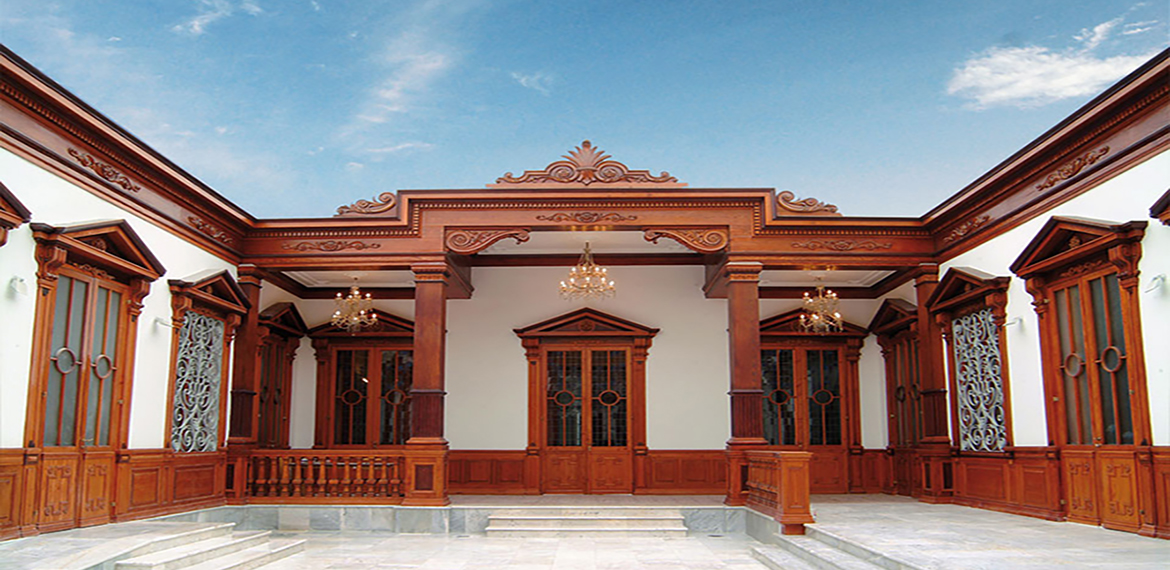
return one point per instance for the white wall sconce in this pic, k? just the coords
(1014, 322)
(18, 285)
(161, 322)
(1157, 282)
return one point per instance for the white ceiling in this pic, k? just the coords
(398, 278)
(837, 278)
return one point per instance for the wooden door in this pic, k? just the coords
(587, 417)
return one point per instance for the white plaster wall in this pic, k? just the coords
(1124, 198)
(687, 368)
(303, 404)
(55, 201)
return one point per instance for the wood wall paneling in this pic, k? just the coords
(488, 472)
(11, 485)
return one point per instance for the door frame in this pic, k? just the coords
(586, 328)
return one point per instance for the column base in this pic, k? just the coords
(425, 473)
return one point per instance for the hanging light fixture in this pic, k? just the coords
(821, 313)
(354, 311)
(587, 280)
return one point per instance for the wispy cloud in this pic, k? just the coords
(1032, 76)
(536, 81)
(393, 149)
(211, 11)
(1138, 27)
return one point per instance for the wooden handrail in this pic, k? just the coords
(778, 485)
(323, 476)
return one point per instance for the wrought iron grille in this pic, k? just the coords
(195, 425)
(975, 340)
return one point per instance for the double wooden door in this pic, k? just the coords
(586, 416)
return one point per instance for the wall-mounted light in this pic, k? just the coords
(1157, 281)
(161, 322)
(18, 285)
(1014, 322)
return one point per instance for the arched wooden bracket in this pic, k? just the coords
(702, 240)
(468, 242)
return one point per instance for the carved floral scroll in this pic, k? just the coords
(468, 242)
(708, 240)
(382, 203)
(586, 165)
(787, 205)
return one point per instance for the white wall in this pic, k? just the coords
(687, 368)
(1124, 198)
(55, 201)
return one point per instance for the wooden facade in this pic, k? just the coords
(380, 434)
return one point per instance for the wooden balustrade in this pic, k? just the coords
(308, 476)
(778, 485)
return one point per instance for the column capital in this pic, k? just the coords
(927, 274)
(742, 271)
(431, 271)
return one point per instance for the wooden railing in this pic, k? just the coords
(778, 485)
(308, 476)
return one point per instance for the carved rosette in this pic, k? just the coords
(330, 245)
(382, 203)
(587, 165)
(787, 205)
(709, 240)
(468, 242)
(105, 171)
(1071, 169)
(585, 217)
(841, 244)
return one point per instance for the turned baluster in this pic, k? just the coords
(322, 478)
(346, 480)
(298, 481)
(383, 480)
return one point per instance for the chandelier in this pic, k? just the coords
(821, 313)
(587, 280)
(354, 311)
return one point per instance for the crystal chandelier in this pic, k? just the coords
(354, 311)
(587, 280)
(821, 313)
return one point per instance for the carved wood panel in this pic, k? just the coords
(610, 470)
(828, 471)
(1118, 506)
(11, 470)
(1080, 483)
(97, 487)
(58, 497)
(562, 471)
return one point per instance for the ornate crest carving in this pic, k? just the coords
(468, 242)
(329, 245)
(587, 165)
(841, 244)
(586, 217)
(709, 240)
(105, 171)
(1071, 169)
(787, 204)
(966, 228)
(210, 230)
(382, 202)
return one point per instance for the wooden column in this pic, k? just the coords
(743, 332)
(934, 449)
(426, 450)
(245, 405)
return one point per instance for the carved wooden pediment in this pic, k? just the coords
(586, 322)
(788, 324)
(388, 325)
(894, 315)
(112, 244)
(964, 285)
(1161, 209)
(585, 166)
(284, 317)
(12, 213)
(217, 289)
(1066, 238)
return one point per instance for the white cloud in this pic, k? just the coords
(354, 166)
(315, 5)
(1138, 27)
(400, 147)
(1033, 76)
(1093, 38)
(537, 81)
(114, 39)
(211, 11)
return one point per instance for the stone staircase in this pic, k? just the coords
(823, 551)
(586, 522)
(188, 546)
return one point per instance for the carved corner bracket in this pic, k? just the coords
(467, 242)
(708, 240)
(382, 203)
(788, 205)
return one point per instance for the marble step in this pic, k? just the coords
(819, 554)
(779, 559)
(858, 550)
(588, 532)
(254, 557)
(103, 556)
(586, 512)
(569, 522)
(195, 553)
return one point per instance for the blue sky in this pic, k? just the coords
(291, 108)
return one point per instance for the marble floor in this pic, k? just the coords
(343, 550)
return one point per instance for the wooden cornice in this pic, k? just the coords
(1161, 208)
(13, 214)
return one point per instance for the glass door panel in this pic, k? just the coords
(397, 370)
(778, 369)
(351, 401)
(609, 401)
